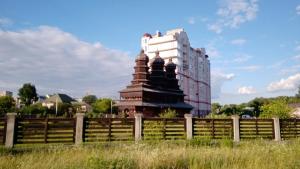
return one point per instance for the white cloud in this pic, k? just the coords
(297, 57)
(290, 70)
(241, 58)
(298, 9)
(217, 80)
(5, 22)
(55, 60)
(239, 41)
(251, 68)
(232, 13)
(212, 52)
(211, 49)
(246, 90)
(216, 27)
(203, 19)
(290, 83)
(277, 64)
(192, 20)
(297, 48)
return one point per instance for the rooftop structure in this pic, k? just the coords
(152, 92)
(192, 66)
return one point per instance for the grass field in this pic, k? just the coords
(195, 154)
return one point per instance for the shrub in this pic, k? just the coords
(277, 108)
(168, 113)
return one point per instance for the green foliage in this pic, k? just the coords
(216, 116)
(34, 109)
(256, 104)
(197, 142)
(298, 94)
(215, 108)
(231, 109)
(89, 99)
(276, 108)
(103, 105)
(196, 154)
(28, 94)
(168, 113)
(65, 109)
(125, 162)
(252, 108)
(7, 103)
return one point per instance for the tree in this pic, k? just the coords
(28, 94)
(256, 104)
(103, 105)
(6, 104)
(276, 108)
(215, 108)
(298, 94)
(34, 109)
(230, 109)
(89, 99)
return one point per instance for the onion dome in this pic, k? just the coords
(158, 59)
(171, 76)
(143, 56)
(157, 75)
(141, 73)
(170, 65)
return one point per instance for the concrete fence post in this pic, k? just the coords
(236, 128)
(277, 129)
(138, 126)
(79, 128)
(10, 129)
(189, 126)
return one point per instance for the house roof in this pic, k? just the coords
(60, 98)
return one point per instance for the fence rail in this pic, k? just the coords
(44, 130)
(163, 129)
(290, 128)
(16, 130)
(257, 128)
(108, 129)
(2, 130)
(212, 128)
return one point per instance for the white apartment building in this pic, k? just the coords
(193, 66)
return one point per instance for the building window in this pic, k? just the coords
(145, 40)
(145, 48)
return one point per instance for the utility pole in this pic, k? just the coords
(56, 106)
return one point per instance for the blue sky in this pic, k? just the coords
(80, 47)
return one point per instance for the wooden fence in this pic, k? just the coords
(212, 128)
(2, 130)
(108, 129)
(257, 128)
(289, 128)
(14, 130)
(163, 129)
(44, 130)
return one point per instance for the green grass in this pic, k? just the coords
(195, 154)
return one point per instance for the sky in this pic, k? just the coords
(88, 47)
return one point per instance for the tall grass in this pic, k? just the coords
(195, 154)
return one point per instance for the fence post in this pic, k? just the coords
(236, 128)
(189, 126)
(10, 129)
(138, 126)
(79, 128)
(277, 129)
